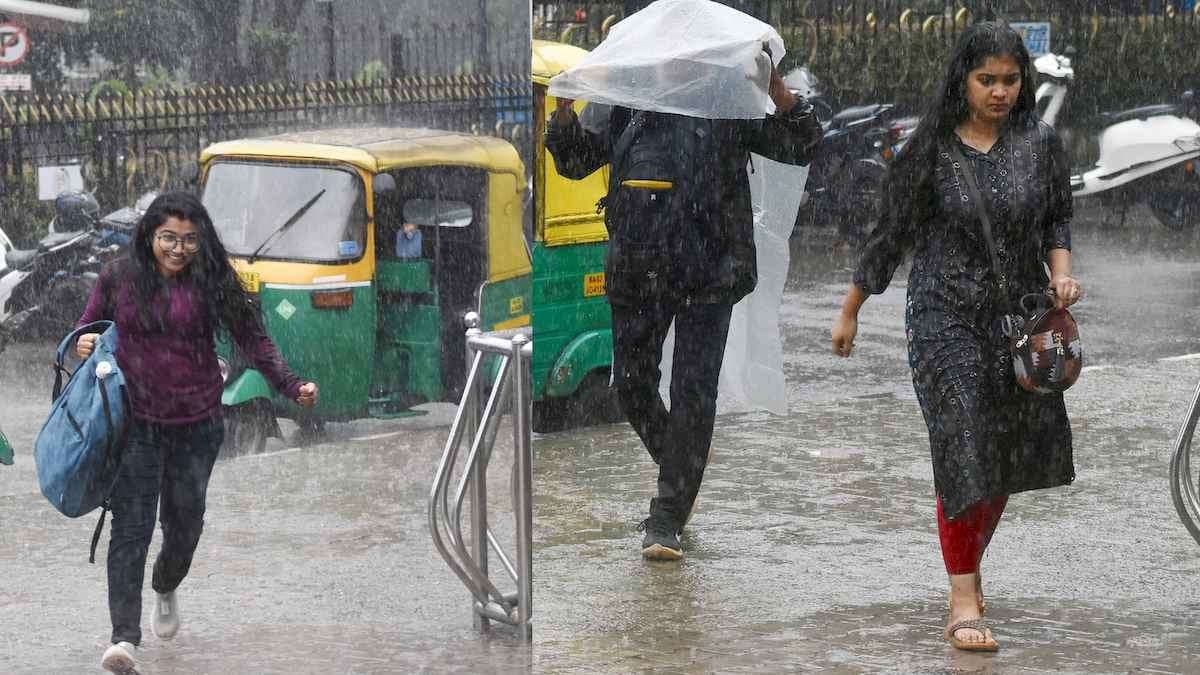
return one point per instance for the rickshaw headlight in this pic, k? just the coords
(223, 366)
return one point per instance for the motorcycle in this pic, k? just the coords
(44, 290)
(1147, 155)
(847, 171)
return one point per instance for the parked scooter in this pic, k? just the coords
(845, 175)
(1149, 154)
(48, 287)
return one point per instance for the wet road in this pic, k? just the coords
(814, 545)
(313, 560)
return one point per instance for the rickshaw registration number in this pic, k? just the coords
(593, 285)
(250, 281)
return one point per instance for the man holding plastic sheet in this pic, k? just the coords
(681, 248)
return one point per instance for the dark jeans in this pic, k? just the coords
(678, 440)
(177, 461)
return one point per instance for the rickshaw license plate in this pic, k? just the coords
(249, 281)
(593, 285)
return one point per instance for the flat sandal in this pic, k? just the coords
(988, 645)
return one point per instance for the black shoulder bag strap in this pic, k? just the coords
(1012, 324)
(968, 178)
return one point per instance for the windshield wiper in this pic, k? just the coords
(288, 223)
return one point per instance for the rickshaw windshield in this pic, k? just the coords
(249, 203)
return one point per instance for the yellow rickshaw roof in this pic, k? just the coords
(551, 58)
(378, 149)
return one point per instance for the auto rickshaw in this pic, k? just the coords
(572, 322)
(365, 247)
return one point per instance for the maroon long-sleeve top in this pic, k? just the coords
(171, 369)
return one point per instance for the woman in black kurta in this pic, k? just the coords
(989, 438)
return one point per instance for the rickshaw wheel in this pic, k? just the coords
(310, 431)
(594, 402)
(247, 427)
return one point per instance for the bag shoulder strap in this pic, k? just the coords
(968, 177)
(621, 147)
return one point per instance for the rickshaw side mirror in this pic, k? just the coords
(382, 183)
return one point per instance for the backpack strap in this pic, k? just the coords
(619, 150)
(60, 356)
(115, 453)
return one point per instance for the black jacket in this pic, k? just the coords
(581, 148)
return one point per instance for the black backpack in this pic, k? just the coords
(662, 208)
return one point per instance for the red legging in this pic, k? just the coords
(964, 538)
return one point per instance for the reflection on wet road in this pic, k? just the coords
(814, 545)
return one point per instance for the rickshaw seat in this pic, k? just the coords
(403, 276)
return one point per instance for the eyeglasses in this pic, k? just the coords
(169, 240)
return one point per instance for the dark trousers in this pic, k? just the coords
(677, 440)
(176, 461)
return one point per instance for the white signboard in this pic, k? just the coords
(1036, 35)
(14, 44)
(16, 82)
(54, 180)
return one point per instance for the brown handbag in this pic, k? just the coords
(1047, 353)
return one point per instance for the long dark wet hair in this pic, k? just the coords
(226, 302)
(948, 107)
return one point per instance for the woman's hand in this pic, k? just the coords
(308, 395)
(1067, 291)
(844, 330)
(86, 344)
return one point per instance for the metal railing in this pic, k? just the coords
(475, 427)
(1185, 482)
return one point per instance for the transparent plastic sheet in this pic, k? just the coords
(688, 57)
(752, 372)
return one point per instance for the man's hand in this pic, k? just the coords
(784, 99)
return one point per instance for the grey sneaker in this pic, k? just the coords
(119, 659)
(661, 541)
(166, 616)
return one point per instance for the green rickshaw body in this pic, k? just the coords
(572, 322)
(314, 223)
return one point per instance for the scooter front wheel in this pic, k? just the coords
(1177, 204)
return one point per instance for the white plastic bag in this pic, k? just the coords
(752, 372)
(688, 57)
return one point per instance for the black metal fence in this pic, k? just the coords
(584, 22)
(128, 144)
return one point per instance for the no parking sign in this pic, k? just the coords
(14, 44)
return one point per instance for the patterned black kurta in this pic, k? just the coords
(988, 437)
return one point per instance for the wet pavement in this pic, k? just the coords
(813, 547)
(313, 560)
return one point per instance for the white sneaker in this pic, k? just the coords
(119, 659)
(166, 616)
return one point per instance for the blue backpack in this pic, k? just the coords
(78, 451)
